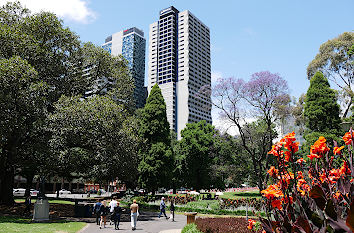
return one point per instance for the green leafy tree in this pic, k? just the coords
(94, 137)
(196, 152)
(321, 110)
(231, 165)
(335, 61)
(156, 158)
(22, 108)
(59, 59)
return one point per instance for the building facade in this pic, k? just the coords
(131, 44)
(179, 62)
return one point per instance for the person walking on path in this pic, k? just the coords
(103, 212)
(96, 211)
(134, 210)
(162, 208)
(116, 216)
(112, 205)
(172, 209)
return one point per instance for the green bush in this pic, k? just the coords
(191, 228)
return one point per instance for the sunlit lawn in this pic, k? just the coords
(50, 201)
(16, 224)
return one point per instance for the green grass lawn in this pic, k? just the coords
(16, 224)
(50, 201)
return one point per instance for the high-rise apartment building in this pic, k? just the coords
(131, 44)
(179, 62)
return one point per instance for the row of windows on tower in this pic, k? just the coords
(169, 18)
(170, 55)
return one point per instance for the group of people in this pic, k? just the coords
(101, 211)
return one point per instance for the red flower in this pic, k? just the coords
(348, 138)
(312, 156)
(301, 161)
(273, 191)
(273, 172)
(337, 150)
(319, 147)
(344, 170)
(277, 204)
(251, 223)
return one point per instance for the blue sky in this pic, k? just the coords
(281, 36)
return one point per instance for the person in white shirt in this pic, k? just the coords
(112, 205)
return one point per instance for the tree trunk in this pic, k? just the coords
(6, 186)
(7, 172)
(29, 180)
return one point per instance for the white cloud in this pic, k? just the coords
(74, 10)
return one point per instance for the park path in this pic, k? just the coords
(147, 223)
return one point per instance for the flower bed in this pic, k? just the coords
(255, 203)
(178, 199)
(223, 225)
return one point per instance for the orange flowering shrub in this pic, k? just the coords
(310, 194)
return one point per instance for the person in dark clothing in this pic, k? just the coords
(163, 208)
(28, 205)
(104, 210)
(96, 211)
(116, 216)
(172, 209)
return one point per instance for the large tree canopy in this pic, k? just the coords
(94, 137)
(335, 61)
(46, 60)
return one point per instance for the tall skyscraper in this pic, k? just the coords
(131, 44)
(179, 62)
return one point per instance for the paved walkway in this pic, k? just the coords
(147, 223)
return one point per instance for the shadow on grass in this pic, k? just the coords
(13, 219)
(247, 194)
(25, 220)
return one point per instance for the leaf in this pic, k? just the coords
(266, 225)
(350, 218)
(303, 225)
(318, 195)
(330, 210)
(343, 187)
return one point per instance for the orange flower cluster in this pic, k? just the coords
(335, 174)
(318, 149)
(337, 150)
(273, 191)
(273, 172)
(251, 223)
(288, 142)
(348, 138)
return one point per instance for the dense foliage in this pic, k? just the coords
(321, 110)
(42, 61)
